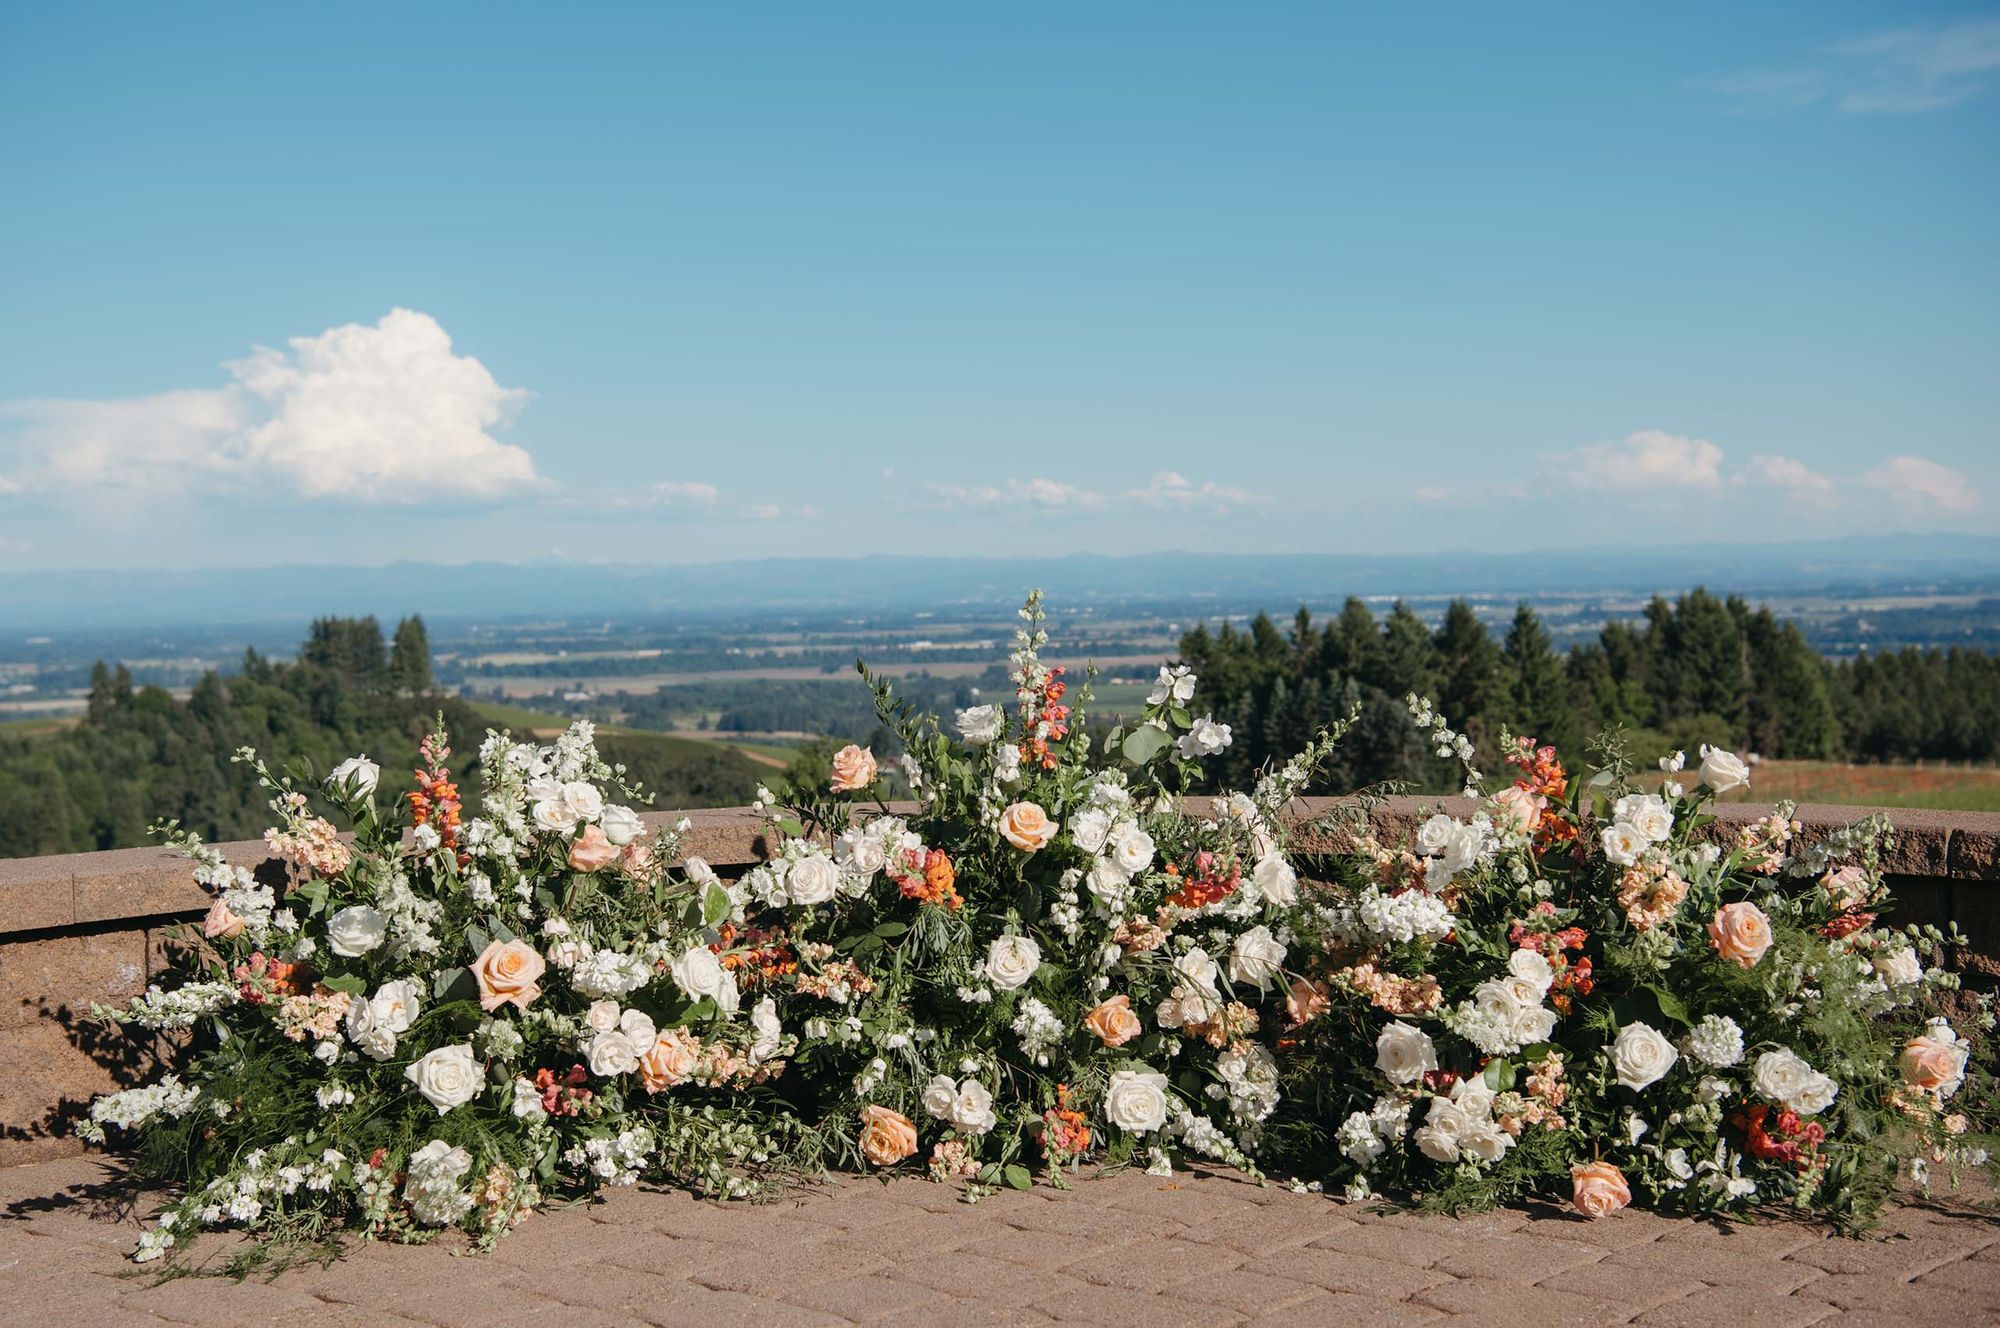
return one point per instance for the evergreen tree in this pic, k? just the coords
(410, 659)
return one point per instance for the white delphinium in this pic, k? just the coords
(180, 1008)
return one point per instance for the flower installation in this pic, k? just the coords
(1061, 955)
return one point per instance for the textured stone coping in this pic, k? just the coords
(133, 885)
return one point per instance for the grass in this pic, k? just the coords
(1941, 787)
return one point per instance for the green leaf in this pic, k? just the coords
(1671, 1005)
(891, 930)
(352, 984)
(477, 939)
(1018, 1177)
(1499, 1075)
(448, 985)
(714, 905)
(1144, 744)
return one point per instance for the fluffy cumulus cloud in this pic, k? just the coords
(1918, 483)
(385, 413)
(1646, 461)
(1788, 473)
(1167, 490)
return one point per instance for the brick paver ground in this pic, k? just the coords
(1211, 1249)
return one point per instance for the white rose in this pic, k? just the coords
(1107, 880)
(396, 1003)
(601, 1017)
(1530, 966)
(769, 1033)
(1198, 969)
(980, 725)
(1622, 843)
(583, 799)
(1782, 1076)
(1404, 1053)
(972, 1108)
(1434, 833)
(1136, 1100)
(700, 974)
(939, 1094)
(813, 879)
(554, 815)
(1011, 961)
(1438, 1137)
(1647, 813)
(1900, 968)
(638, 1028)
(1485, 1141)
(612, 1054)
(1256, 957)
(1641, 1056)
(368, 1029)
(1090, 828)
(1133, 849)
(1275, 880)
(1532, 1024)
(358, 772)
(447, 1077)
(621, 825)
(1723, 771)
(356, 930)
(859, 849)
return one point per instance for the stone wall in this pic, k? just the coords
(94, 927)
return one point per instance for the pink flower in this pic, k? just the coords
(1741, 933)
(1518, 808)
(508, 973)
(221, 922)
(1598, 1188)
(592, 850)
(853, 769)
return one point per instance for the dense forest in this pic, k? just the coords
(1699, 669)
(138, 754)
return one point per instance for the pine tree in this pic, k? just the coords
(410, 659)
(1538, 683)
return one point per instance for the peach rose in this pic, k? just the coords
(1933, 1064)
(1305, 1002)
(887, 1137)
(592, 850)
(508, 973)
(1741, 933)
(853, 769)
(669, 1061)
(1519, 809)
(1113, 1022)
(1026, 826)
(221, 921)
(1599, 1188)
(636, 858)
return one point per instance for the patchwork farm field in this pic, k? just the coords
(1944, 787)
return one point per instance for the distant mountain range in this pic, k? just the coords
(487, 590)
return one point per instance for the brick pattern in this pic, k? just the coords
(1128, 1249)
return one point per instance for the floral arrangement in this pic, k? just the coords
(1061, 955)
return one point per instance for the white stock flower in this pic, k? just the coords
(1136, 1100)
(1723, 771)
(1256, 957)
(1011, 961)
(1404, 1053)
(448, 1077)
(1641, 1056)
(980, 725)
(1716, 1042)
(356, 930)
(358, 772)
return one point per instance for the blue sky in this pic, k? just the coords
(685, 283)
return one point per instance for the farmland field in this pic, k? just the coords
(1944, 787)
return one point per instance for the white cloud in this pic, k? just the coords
(1918, 482)
(383, 414)
(685, 491)
(1648, 460)
(1166, 489)
(1903, 71)
(1783, 472)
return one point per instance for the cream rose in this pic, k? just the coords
(396, 1005)
(1404, 1053)
(853, 769)
(1090, 829)
(612, 1054)
(1113, 1022)
(1622, 843)
(1598, 1188)
(701, 975)
(1741, 933)
(1900, 968)
(1256, 957)
(1011, 961)
(356, 930)
(1026, 826)
(1132, 849)
(508, 973)
(221, 922)
(583, 799)
(812, 879)
(1136, 1100)
(621, 825)
(1640, 1056)
(1933, 1064)
(1782, 1076)
(1723, 771)
(980, 725)
(447, 1077)
(1518, 809)
(357, 775)
(1275, 880)
(887, 1137)
(669, 1061)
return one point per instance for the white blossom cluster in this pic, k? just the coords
(1717, 1042)
(1038, 1028)
(135, 1106)
(1367, 1135)
(1377, 918)
(432, 1186)
(179, 1008)
(1453, 847)
(1460, 1127)
(618, 1160)
(1249, 1082)
(1506, 1014)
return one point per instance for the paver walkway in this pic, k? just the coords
(1126, 1249)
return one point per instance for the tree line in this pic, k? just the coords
(1697, 669)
